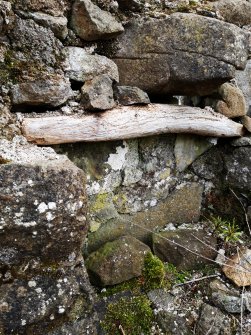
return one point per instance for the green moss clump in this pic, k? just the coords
(153, 272)
(99, 203)
(131, 315)
(132, 285)
(175, 276)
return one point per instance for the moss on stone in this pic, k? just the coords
(99, 203)
(153, 273)
(133, 315)
(120, 201)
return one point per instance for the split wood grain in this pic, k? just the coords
(129, 122)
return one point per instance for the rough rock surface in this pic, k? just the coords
(188, 148)
(52, 7)
(97, 94)
(238, 268)
(151, 54)
(168, 319)
(92, 23)
(213, 321)
(237, 168)
(244, 82)
(233, 104)
(38, 44)
(117, 261)
(227, 299)
(57, 24)
(51, 92)
(181, 206)
(127, 95)
(81, 66)
(8, 124)
(246, 121)
(43, 225)
(234, 11)
(210, 165)
(177, 253)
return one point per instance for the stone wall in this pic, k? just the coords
(75, 201)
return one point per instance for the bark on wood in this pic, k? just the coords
(129, 122)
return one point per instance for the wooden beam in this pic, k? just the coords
(129, 122)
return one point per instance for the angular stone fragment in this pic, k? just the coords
(42, 206)
(228, 300)
(52, 7)
(234, 11)
(92, 23)
(81, 66)
(117, 261)
(43, 281)
(97, 94)
(198, 241)
(210, 165)
(246, 121)
(8, 125)
(133, 5)
(238, 165)
(46, 92)
(127, 95)
(244, 83)
(36, 45)
(238, 268)
(57, 24)
(152, 55)
(233, 104)
(188, 148)
(213, 321)
(183, 205)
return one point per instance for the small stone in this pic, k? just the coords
(233, 102)
(243, 79)
(57, 24)
(81, 66)
(172, 323)
(228, 300)
(244, 141)
(92, 23)
(117, 261)
(188, 148)
(173, 247)
(213, 321)
(246, 121)
(51, 92)
(133, 5)
(237, 164)
(237, 12)
(128, 95)
(238, 268)
(97, 94)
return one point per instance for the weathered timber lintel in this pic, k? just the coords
(129, 122)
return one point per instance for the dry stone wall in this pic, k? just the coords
(101, 205)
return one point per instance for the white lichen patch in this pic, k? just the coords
(73, 207)
(117, 160)
(20, 151)
(61, 309)
(93, 188)
(19, 222)
(32, 283)
(30, 182)
(42, 208)
(50, 216)
(52, 205)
